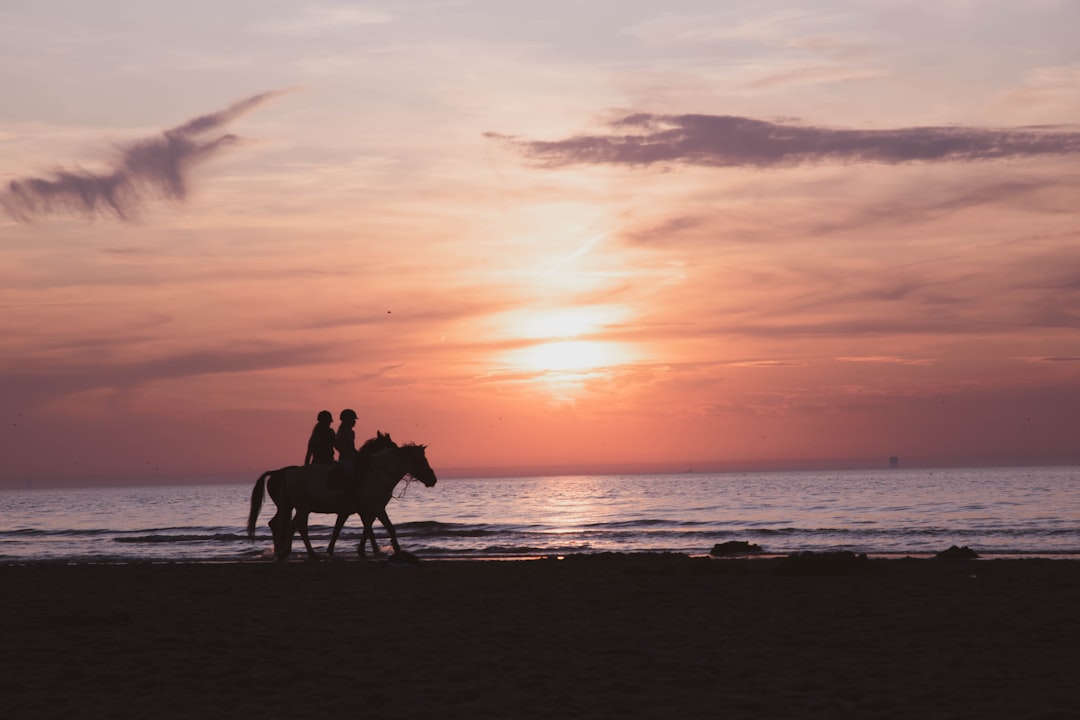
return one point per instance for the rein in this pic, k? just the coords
(408, 481)
(406, 477)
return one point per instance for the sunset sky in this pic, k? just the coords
(545, 237)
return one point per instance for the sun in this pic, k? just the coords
(561, 323)
(559, 343)
(567, 356)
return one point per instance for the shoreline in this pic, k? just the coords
(587, 636)
(344, 557)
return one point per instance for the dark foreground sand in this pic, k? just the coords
(607, 637)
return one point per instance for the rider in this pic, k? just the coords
(346, 440)
(320, 447)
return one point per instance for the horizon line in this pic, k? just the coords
(111, 480)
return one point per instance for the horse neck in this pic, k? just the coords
(386, 472)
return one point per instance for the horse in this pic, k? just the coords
(315, 488)
(282, 525)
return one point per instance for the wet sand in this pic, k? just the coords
(602, 637)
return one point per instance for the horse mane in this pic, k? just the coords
(372, 445)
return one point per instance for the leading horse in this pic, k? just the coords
(321, 488)
(336, 481)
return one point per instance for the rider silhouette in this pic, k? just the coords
(320, 447)
(346, 441)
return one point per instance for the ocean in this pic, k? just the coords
(998, 512)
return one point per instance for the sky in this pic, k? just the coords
(556, 237)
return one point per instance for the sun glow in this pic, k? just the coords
(555, 343)
(563, 324)
(568, 355)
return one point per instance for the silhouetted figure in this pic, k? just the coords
(305, 490)
(346, 441)
(320, 446)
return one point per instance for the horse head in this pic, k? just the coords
(380, 442)
(416, 463)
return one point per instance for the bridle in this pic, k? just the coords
(374, 464)
(408, 481)
(407, 476)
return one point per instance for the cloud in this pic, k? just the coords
(813, 74)
(665, 230)
(732, 141)
(39, 382)
(1046, 87)
(1052, 359)
(319, 19)
(1052, 194)
(887, 359)
(156, 167)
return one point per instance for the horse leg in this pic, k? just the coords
(282, 530)
(275, 530)
(301, 523)
(390, 529)
(337, 531)
(281, 523)
(369, 533)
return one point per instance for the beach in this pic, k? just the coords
(604, 636)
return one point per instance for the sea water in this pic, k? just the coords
(998, 512)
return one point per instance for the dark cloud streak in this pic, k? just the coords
(156, 167)
(730, 141)
(44, 380)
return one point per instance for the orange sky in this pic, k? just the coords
(636, 235)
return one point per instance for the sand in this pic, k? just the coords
(607, 637)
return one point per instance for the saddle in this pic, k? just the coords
(337, 478)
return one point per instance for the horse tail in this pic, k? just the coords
(256, 503)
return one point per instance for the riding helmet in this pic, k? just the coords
(325, 416)
(348, 415)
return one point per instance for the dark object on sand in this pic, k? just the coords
(957, 553)
(606, 557)
(402, 558)
(735, 547)
(842, 562)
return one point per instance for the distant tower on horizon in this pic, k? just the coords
(894, 462)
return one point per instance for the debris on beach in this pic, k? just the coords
(402, 558)
(609, 556)
(735, 547)
(843, 562)
(957, 553)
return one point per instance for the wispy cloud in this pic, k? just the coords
(45, 379)
(156, 167)
(887, 360)
(1052, 359)
(1046, 87)
(319, 19)
(733, 141)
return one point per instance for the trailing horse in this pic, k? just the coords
(336, 481)
(327, 489)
